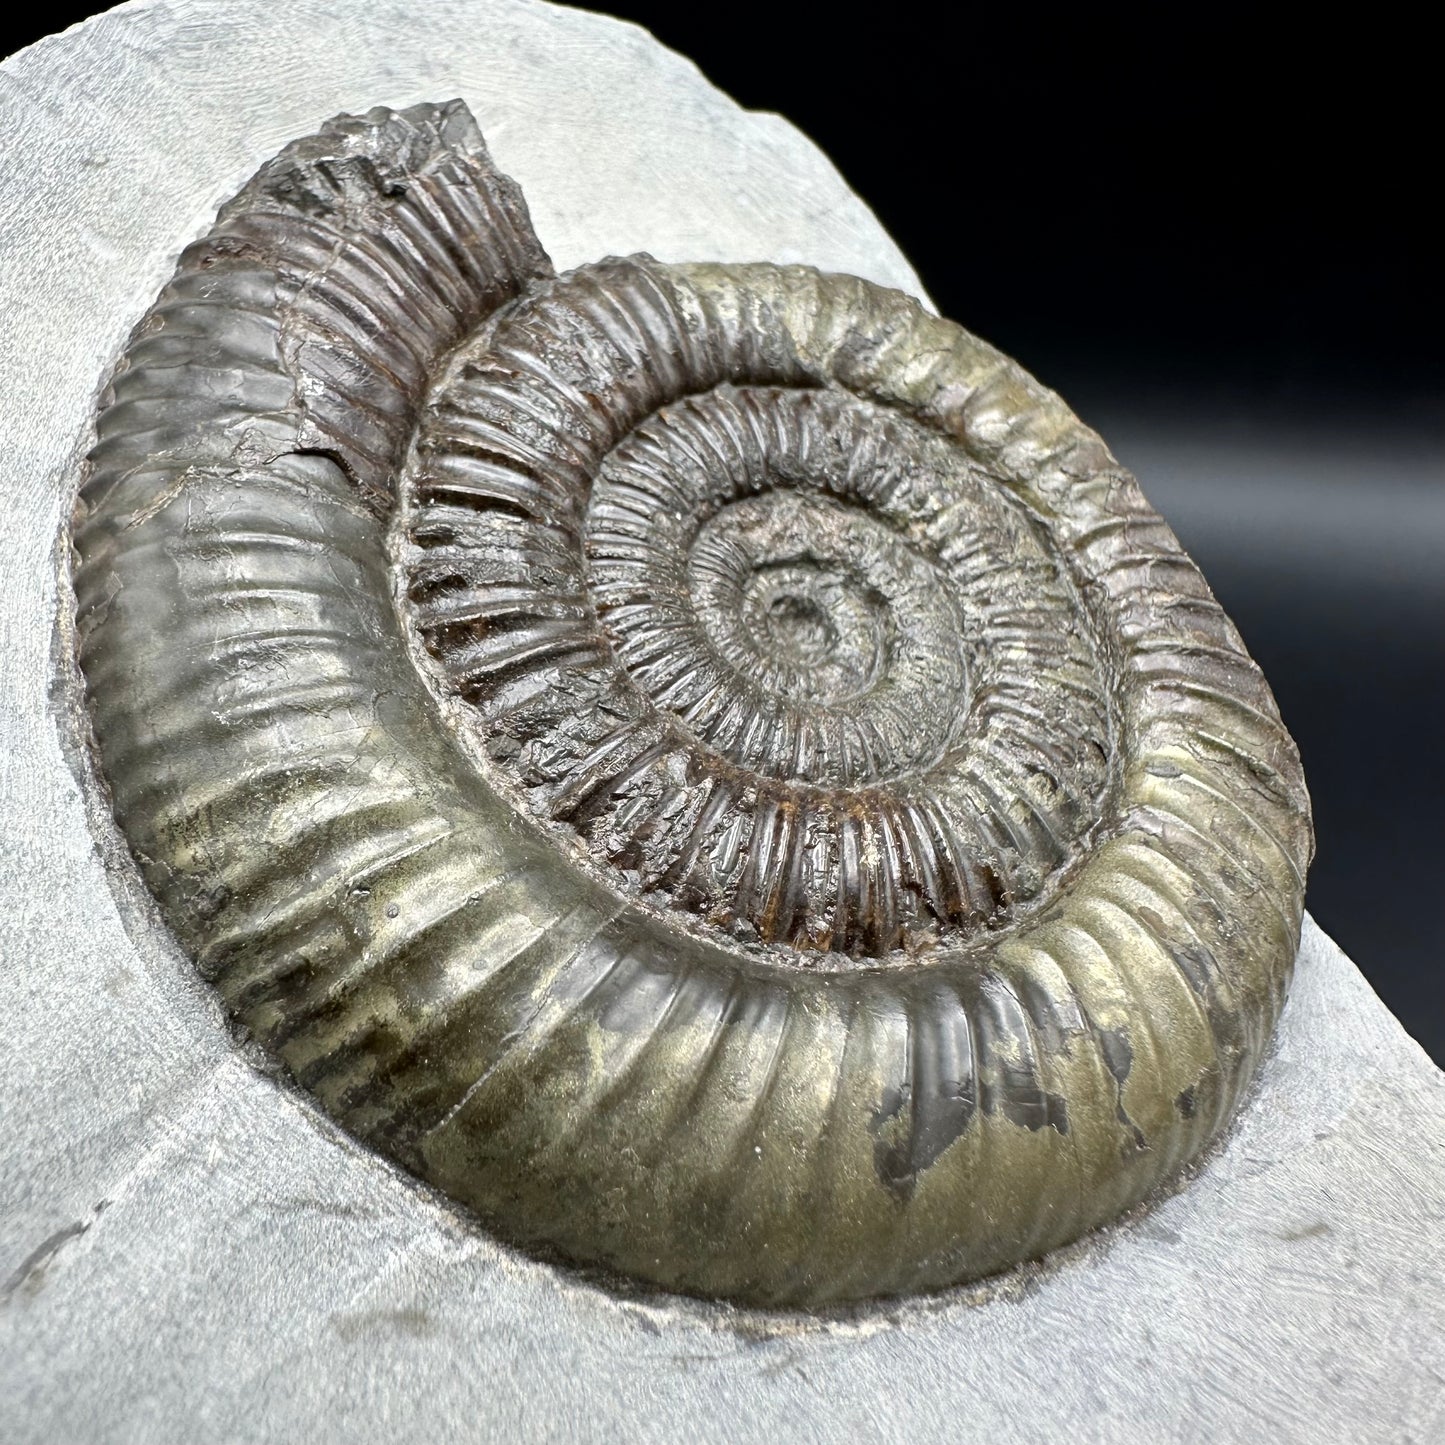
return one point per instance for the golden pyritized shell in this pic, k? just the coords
(710, 766)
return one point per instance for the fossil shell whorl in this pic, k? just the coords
(814, 638)
(768, 808)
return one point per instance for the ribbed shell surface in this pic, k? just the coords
(373, 646)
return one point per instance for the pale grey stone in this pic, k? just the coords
(190, 1252)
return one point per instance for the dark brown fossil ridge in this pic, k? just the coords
(711, 766)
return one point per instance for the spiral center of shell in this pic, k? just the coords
(781, 657)
(786, 625)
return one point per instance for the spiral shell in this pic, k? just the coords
(710, 766)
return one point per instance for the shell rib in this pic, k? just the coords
(710, 766)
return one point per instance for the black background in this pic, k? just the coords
(1208, 230)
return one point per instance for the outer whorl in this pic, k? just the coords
(711, 766)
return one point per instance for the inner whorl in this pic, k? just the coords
(783, 657)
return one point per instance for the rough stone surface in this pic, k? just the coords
(188, 1250)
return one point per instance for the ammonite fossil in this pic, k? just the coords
(710, 766)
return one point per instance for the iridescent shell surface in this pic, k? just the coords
(712, 767)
